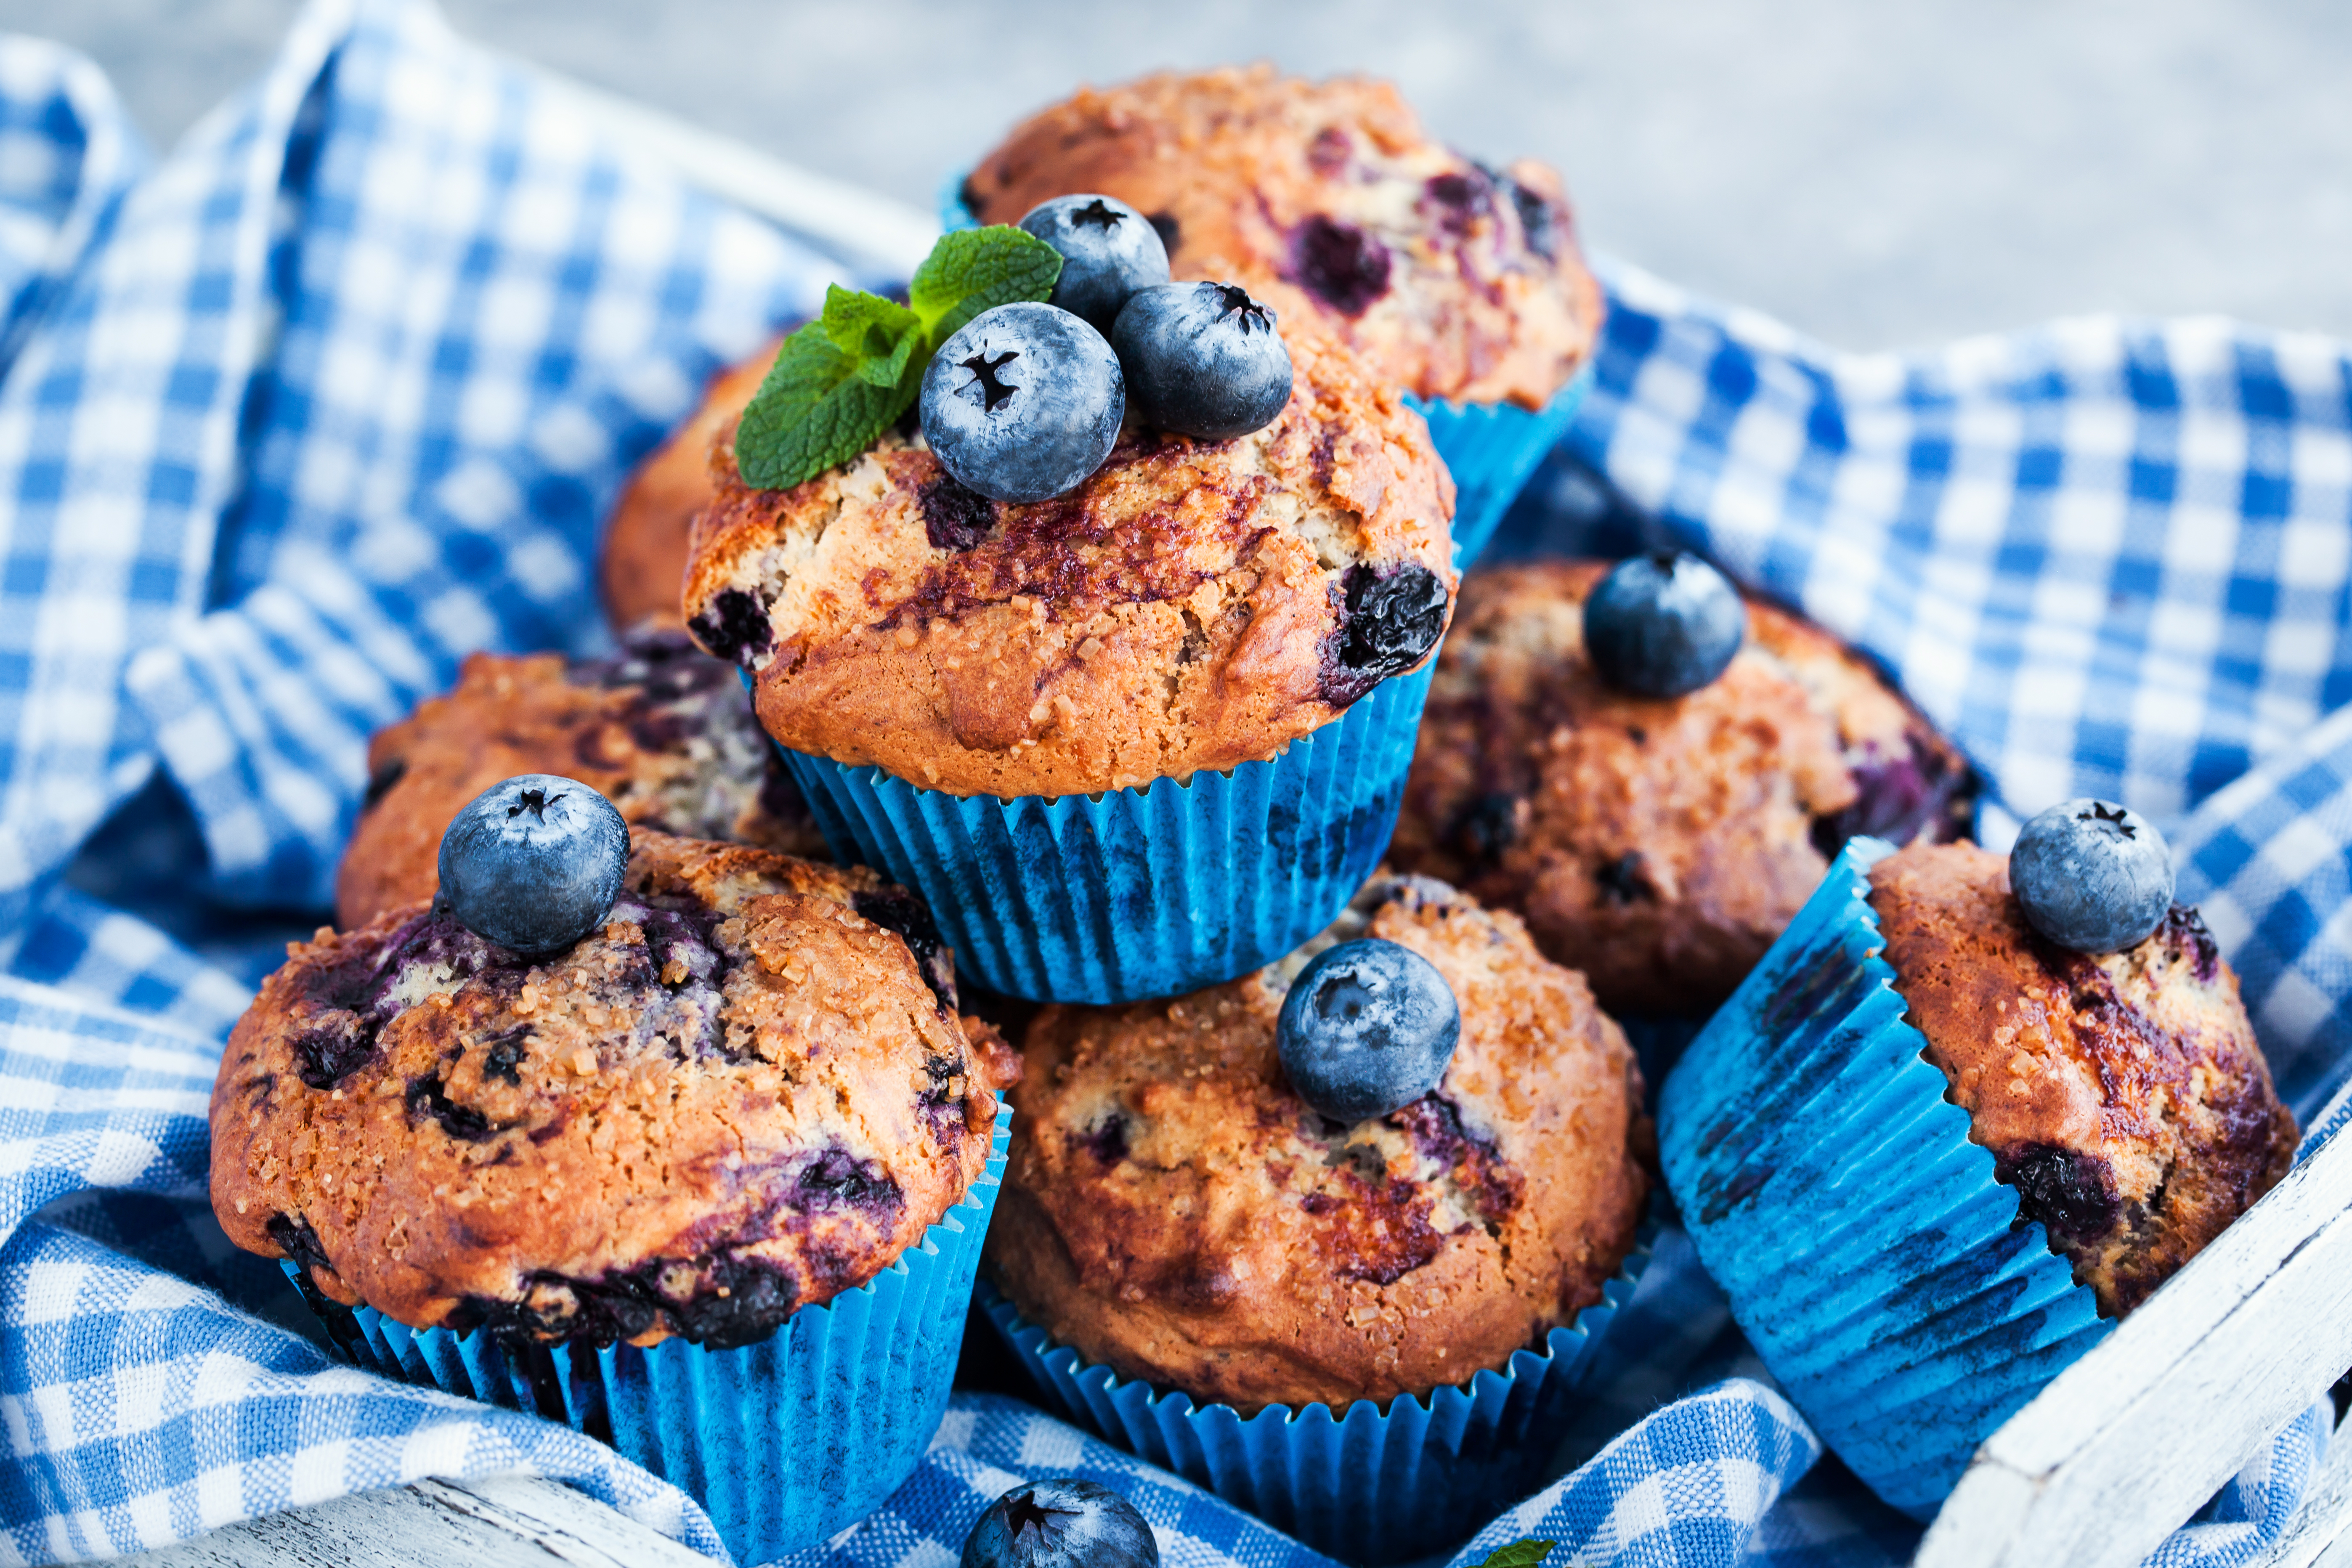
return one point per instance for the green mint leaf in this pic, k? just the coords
(878, 335)
(1517, 1554)
(976, 269)
(815, 411)
(841, 380)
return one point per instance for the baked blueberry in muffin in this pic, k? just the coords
(1329, 201)
(659, 728)
(745, 1092)
(1176, 1209)
(1191, 604)
(1658, 844)
(2122, 1094)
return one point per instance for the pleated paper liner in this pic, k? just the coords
(1491, 449)
(783, 1442)
(1881, 1271)
(1366, 1485)
(1149, 892)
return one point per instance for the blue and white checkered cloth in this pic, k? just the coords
(340, 391)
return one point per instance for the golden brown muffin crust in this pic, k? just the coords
(650, 534)
(746, 1092)
(1330, 201)
(1659, 846)
(659, 728)
(1173, 1209)
(1182, 609)
(2124, 1096)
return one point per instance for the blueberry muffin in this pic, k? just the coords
(1175, 1209)
(651, 532)
(659, 728)
(2122, 1095)
(748, 1092)
(1659, 845)
(1192, 605)
(1329, 201)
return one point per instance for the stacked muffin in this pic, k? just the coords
(1093, 592)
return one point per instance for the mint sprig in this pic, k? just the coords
(1518, 1554)
(845, 378)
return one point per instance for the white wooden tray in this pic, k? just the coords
(2113, 1456)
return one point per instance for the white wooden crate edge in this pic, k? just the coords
(2113, 1456)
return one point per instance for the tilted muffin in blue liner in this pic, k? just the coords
(1459, 282)
(1924, 1149)
(710, 1183)
(1367, 1329)
(1137, 738)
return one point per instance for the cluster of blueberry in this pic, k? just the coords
(1025, 400)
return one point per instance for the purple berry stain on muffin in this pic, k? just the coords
(1339, 264)
(1925, 790)
(954, 517)
(1387, 622)
(735, 626)
(1460, 200)
(897, 910)
(2071, 1193)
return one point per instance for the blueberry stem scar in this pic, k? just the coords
(992, 392)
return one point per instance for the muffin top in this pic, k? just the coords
(1172, 1208)
(1659, 845)
(1192, 604)
(650, 535)
(1329, 201)
(2123, 1096)
(748, 1092)
(659, 728)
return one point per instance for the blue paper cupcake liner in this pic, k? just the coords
(1148, 891)
(783, 1442)
(1880, 1270)
(1491, 449)
(1365, 1485)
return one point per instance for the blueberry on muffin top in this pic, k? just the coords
(2123, 1095)
(746, 1092)
(1176, 1209)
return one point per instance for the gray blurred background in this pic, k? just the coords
(1875, 173)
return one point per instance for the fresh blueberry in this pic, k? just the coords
(1022, 404)
(1368, 1026)
(1663, 625)
(2091, 875)
(1203, 360)
(1108, 251)
(1066, 1524)
(534, 863)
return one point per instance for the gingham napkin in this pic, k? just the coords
(340, 390)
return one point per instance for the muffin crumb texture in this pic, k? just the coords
(2123, 1096)
(1328, 200)
(1659, 846)
(748, 1092)
(1188, 606)
(1175, 1210)
(660, 728)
